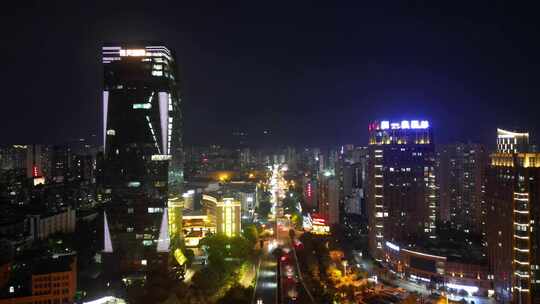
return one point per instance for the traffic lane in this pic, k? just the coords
(294, 291)
(266, 286)
(289, 281)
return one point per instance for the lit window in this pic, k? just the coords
(134, 184)
(155, 210)
(157, 73)
(144, 262)
(142, 106)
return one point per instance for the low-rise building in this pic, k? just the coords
(43, 225)
(50, 280)
(444, 269)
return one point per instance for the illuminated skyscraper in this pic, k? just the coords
(142, 143)
(228, 217)
(512, 142)
(513, 215)
(401, 190)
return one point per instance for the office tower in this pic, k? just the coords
(344, 173)
(228, 217)
(60, 166)
(311, 193)
(328, 200)
(34, 167)
(513, 214)
(291, 158)
(360, 179)
(401, 191)
(82, 168)
(460, 178)
(142, 161)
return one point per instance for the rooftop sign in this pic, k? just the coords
(404, 124)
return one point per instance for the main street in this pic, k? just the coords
(266, 284)
(291, 286)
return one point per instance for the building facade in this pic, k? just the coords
(328, 198)
(513, 199)
(142, 161)
(228, 217)
(41, 226)
(461, 181)
(52, 280)
(401, 191)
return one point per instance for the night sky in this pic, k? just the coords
(310, 73)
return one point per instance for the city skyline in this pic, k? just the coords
(311, 72)
(270, 153)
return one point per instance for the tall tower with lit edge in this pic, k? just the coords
(143, 153)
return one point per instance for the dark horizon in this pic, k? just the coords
(314, 76)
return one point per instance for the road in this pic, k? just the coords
(291, 286)
(266, 285)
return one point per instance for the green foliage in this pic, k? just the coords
(315, 261)
(250, 233)
(221, 249)
(238, 295)
(209, 279)
(227, 264)
(190, 255)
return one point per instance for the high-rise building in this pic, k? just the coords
(328, 199)
(34, 166)
(512, 142)
(401, 193)
(513, 214)
(13, 157)
(60, 163)
(228, 217)
(460, 180)
(142, 161)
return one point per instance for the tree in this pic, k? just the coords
(251, 234)
(237, 294)
(190, 255)
(216, 248)
(208, 280)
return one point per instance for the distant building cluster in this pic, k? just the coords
(78, 220)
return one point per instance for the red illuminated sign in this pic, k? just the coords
(34, 171)
(318, 220)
